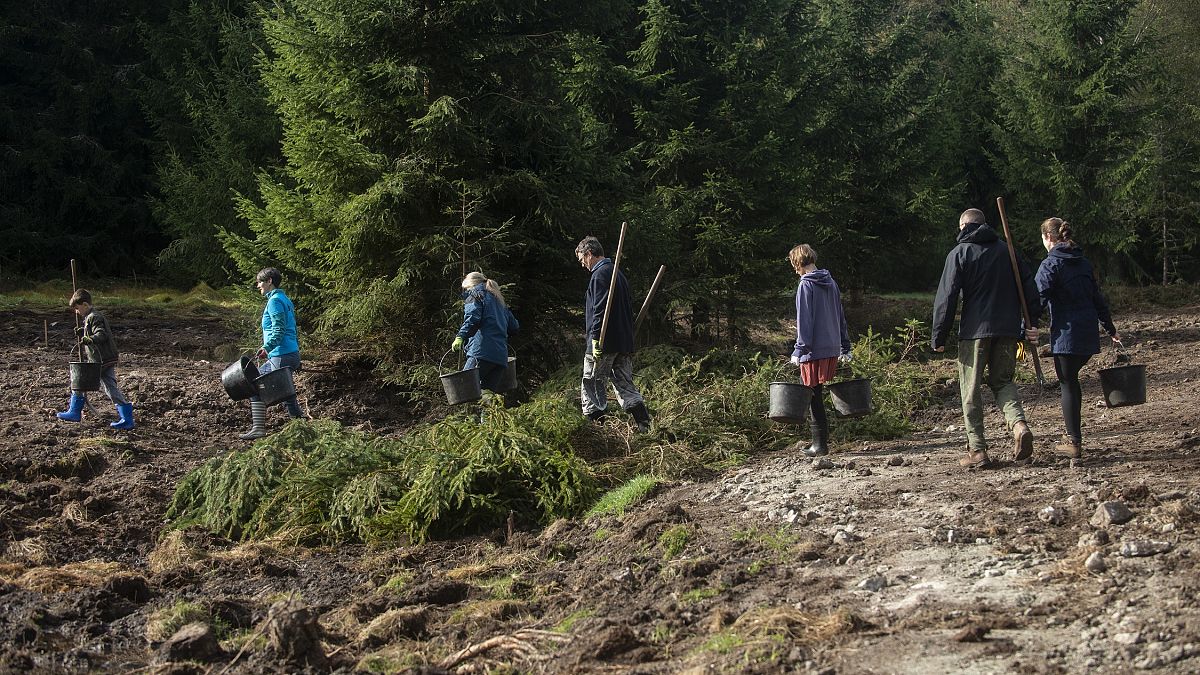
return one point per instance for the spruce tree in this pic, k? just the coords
(214, 130)
(725, 101)
(1067, 114)
(420, 140)
(884, 178)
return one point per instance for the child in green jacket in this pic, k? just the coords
(99, 347)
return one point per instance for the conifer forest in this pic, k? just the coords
(383, 200)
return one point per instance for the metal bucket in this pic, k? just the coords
(509, 381)
(85, 376)
(789, 402)
(275, 386)
(851, 398)
(1124, 385)
(238, 379)
(461, 386)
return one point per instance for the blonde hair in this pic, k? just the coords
(1056, 230)
(802, 256)
(475, 278)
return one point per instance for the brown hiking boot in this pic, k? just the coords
(1022, 442)
(974, 459)
(1067, 446)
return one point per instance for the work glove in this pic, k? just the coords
(457, 344)
(87, 340)
(78, 331)
(596, 351)
(795, 360)
(261, 353)
(1020, 351)
(845, 358)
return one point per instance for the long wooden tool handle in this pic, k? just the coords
(637, 325)
(1012, 258)
(612, 285)
(75, 287)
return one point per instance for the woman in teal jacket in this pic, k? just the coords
(280, 347)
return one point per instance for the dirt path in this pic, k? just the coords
(885, 558)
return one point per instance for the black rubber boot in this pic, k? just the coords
(641, 416)
(819, 424)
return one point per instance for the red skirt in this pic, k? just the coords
(817, 372)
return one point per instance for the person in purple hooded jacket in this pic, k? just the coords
(822, 339)
(1067, 287)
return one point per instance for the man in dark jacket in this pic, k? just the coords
(979, 269)
(610, 358)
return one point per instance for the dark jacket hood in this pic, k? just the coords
(819, 277)
(977, 233)
(1066, 252)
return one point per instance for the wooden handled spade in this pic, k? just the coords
(612, 286)
(637, 324)
(1012, 258)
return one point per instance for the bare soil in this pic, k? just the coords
(886, 558)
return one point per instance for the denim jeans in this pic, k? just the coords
(283, 361)
(617, 368)
(108, 384)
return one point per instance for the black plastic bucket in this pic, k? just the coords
(461, 386)
(509, 381)
(275, 386)
(1124, 385)
(851, 398)
(789, 402)
(85, 376)
(238, 379)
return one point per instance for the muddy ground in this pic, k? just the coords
(887, 557)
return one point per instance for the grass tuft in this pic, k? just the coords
(673, 540)
(616, 502)
(163, 623)
(568, 623)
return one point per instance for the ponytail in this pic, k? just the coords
(494, 289)
(475, 278)
(1057, 230)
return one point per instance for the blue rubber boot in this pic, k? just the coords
(125, 410)
(74, 412)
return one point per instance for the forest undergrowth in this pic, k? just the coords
(319, 482)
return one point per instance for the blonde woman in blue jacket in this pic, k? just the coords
(487, 323)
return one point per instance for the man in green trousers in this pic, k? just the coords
(979, 269)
